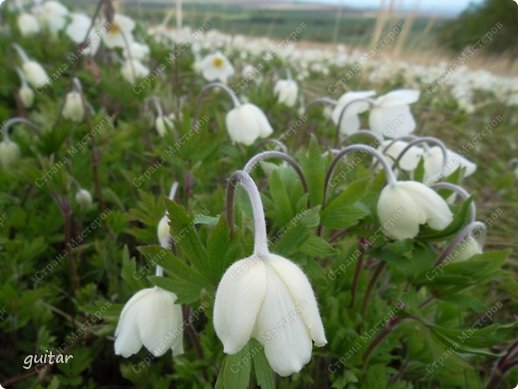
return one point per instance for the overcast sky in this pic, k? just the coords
(451, 7)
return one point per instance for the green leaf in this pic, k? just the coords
(346, 209)
(236, 371)
(185, 237)
(313, 165)
(263, 371)
(283, 211)
(315, 246)
(459, 220)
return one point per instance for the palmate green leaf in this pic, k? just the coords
(478, 269)
(315, 246)
(129, 272)
(314, 168)
(291, 240)
(346, 209)
(183, 231)
(471, 340)
(187, 283)
(283, 210)
(222, 249)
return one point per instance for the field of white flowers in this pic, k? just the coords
(182, 208)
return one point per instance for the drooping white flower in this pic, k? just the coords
(410, 159)
(246, 122)
(433, 164)
(134, 70)
(150, 318)
(84, 198)
(270, 299)
(405, 205)
(52, 15)
(216, 66)
(121, 29)
(73, 108)
(350, 121)
(286, 91)
(391, 116)
(28, 24)
(35, 74)
(9, 153)
(26, 95)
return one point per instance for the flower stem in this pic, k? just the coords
(370, 286)
(357, 270)
(261, 239)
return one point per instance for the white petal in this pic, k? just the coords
(302, 294)
(397, 98)
(435, 207)
(242, 125)
(286, 340)
(159, 321)
(239, 297)
(392, 122)
(398, 214)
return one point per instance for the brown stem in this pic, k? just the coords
(391, 325)
(67, 213)
(370, 286)
(357, 270)
(193, 336)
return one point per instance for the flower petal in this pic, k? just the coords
(239, 297)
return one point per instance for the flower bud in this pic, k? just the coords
(73, 108)
(163, 232)
(163, 125)
(26, 96)
(84, 198)
(9, 153)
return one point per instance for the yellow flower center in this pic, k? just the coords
(114, 29)
(217, 63)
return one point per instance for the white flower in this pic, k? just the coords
(52, 15)
(270, 299)
(150, 318)
(405, 205)
(391, 114)
(216, 67)
(286, 91)
(9, 153)
(433, 164)
(162, 230)
(138, 51)
(77, 30)
(73, 108)
(35, 74)
(134, 70)
(350, 121)
(246, 123)
(163, 124)
(84, 198)
(120, 30)
(28, 24)
(26, 95)
(410, 159)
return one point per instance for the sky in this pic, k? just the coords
(450, 7)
